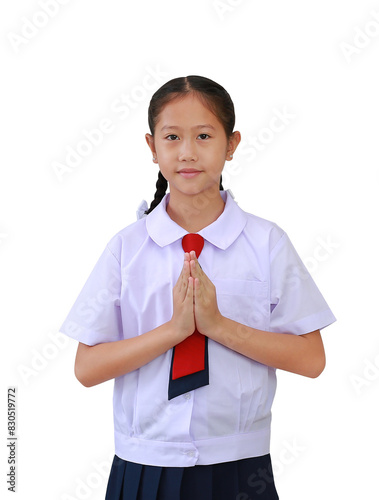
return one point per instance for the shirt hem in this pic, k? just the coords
(189, 454)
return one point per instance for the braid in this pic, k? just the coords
(161, 186)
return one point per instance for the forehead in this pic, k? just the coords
(187, 111)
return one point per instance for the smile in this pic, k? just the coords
(188, 173)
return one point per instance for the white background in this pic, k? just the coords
(317, 178)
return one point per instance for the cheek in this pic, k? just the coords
(169, 151)
(218, 152)
(216, 160)
(166, 157)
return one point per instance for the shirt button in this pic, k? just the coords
(187, 395)
(191, 453)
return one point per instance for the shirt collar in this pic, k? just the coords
(221, 233)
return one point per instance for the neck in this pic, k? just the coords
(194, 212)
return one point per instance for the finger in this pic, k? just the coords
(183, 269)
(194, 292)
(180, 277)
(186, 269)
(189, 294)
(196, 270)
(197, 290)
(182, 283)
(185, 274)
(193, 257)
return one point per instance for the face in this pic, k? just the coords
(191, 146)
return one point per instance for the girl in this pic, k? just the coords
(239, 306)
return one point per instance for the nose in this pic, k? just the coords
(187, 151)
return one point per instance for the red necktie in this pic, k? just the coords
(189, 355)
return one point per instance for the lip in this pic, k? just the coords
(188, 173)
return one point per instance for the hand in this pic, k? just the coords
(183, 317)
(207, 314)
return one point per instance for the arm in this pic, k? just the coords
(101, 362)
(301, 354)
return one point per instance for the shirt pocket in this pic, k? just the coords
(244, 301)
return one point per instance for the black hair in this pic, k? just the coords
(213, 95)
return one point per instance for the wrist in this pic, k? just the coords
(176, 332)
(216, 329)
(229, 333)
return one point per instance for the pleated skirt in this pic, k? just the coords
(247, 479)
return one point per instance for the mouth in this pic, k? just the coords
(188, 173)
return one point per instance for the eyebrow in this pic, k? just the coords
(174, 127)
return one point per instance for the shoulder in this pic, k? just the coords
(129, 238)
(263, 230)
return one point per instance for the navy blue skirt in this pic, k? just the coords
(247, 479)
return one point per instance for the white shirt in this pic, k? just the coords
(260, 281)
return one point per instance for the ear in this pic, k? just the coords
(234, 140)
(150, 142)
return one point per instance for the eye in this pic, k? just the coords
(203, 136)
(172, 137)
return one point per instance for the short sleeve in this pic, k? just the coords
(95, 316)
(297, 305)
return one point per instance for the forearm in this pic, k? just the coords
(102, 362)
(301, 354)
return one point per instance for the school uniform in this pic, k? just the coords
(260, 282)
